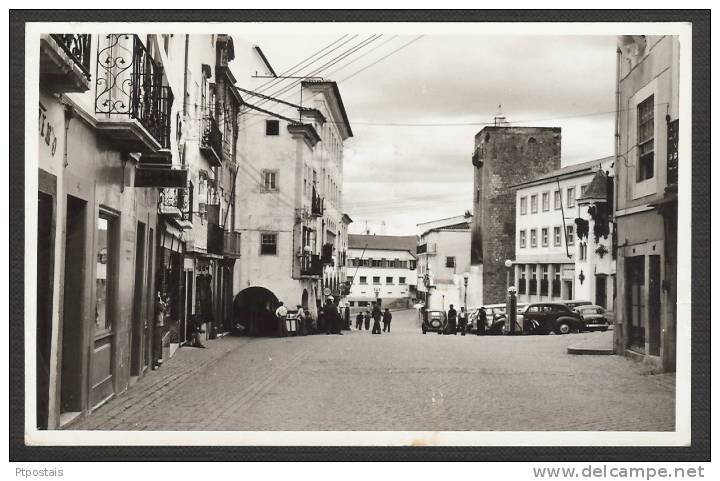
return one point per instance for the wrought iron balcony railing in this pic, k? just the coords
(77, 46)
(176, 203)
(212, 138)
(310, 265)
(129, 83)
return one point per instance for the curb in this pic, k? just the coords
(590, 351)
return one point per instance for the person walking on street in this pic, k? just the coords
(481, 321)
(452, 320)
(463, 319)
(367, 320)
(359, 321)
(332, 317)
(281, 316)
(377, 316)
(387, 317)
(300, 325)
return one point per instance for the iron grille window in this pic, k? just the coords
(272, 127)
(646, 139)
(268, 244)
(450, 262)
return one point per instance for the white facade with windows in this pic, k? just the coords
(382, 268)
(551, 261)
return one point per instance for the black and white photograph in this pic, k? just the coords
(357, 234)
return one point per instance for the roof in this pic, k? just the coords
(265, 61)
(383, 242)
(457, 222)
(597, 190)
(336, 91)
(566, 172)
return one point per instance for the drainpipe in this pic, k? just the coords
(185, 84)
(618, 343)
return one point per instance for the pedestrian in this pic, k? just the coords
(387, 317)
(347, 318)
(300, 325)
(281, 316)
(359, 321)
(332, 317)
(462, 319)
(367, 320)
(377, 316)
(452, 320)
(481, 321)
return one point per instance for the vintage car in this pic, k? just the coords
(574, 303)
(434, 321)
(551, 318)
(594, 317)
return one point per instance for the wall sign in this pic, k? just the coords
(47, 131)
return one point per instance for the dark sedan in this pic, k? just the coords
(594, 317)
(551, 317)
(434, 321)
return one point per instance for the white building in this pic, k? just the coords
(381, 267)
(443, 253)
(553, 262)
(290, 186)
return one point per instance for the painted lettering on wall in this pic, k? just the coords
(47, 131)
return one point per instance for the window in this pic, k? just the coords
(583, 189)
(558, 200)
(556, 236)
(450, 262)
(272, 127)
(570, 235)
(376, 280)
(546, 201)
(401, 280)
(351, 303)
(583, 251)
(533, 204)
(270, 179)
(523, 205)
(533, 237)
(522, 238)
(363, 279)
(389, 280)
(545, 237)
(376, 263)
(571, 197)
(105, 271)
(646, 139)
(268, 244)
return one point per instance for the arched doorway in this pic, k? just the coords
(254, 312)
(305, 299)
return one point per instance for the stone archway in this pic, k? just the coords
(305, 299)
(254, 312)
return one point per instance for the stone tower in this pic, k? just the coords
(504, 156)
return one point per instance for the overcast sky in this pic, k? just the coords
(404, 175)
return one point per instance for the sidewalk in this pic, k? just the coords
(158, 383)
(599, 344)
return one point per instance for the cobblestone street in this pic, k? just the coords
(399, 381)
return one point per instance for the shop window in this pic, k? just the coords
(105, 271)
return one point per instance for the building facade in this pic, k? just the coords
(443, 259)
(382, 269)
(555, 258)
(293, 228)
(503, 156)
(646, 178)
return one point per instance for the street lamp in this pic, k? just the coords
(377, 294)
(508, 265)
(466, 278)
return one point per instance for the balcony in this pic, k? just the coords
(310, 266)
(317, 207)
(211, 144)
(174, 204)
(65, 62)
(231, 244)
(133, 106)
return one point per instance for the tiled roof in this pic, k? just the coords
(568, 171)
(383, 242)
(597, 188)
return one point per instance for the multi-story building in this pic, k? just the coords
(293, 227)
(107, 143)
(443, 260)
(646, 179)
(555, 257)
(381, 268)
(503, 156)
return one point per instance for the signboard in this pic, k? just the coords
(327, 291)
(568, 271)
(160, 177)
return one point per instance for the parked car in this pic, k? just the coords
(594, 317)
(574, 303)
(495, 316)
(435, 321)
(551, 317)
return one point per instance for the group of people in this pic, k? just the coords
(329, 316)
(363, 318)
(458, 321)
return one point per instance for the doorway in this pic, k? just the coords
(654, 305)
(149, 302)
(43, 339)
(601, 290)
(635, 295)
(139, 320)
(71, 366)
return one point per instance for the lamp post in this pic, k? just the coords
(508, 265)
(466, 279)
(377, 294)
